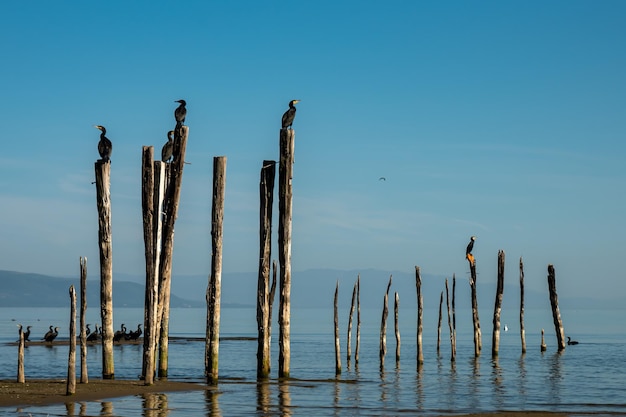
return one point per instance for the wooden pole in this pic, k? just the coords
(84, 375)
(172, 199)
(271, 303)
(20, 357)
(478, 344)
(556, 315)
(439, 323)
(522, 332)
(214, 290)
(337, 344)
(454, 313)
(349, 346)
(358, 321)
(266, 194)
(103, 195)
(544, 347)
(497, 309)
(396, 321)
(71, 362)
(285, 197)
(452, 346)
(383, 327)
(420, 316)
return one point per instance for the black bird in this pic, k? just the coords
(290, 114)
(180, 113)
(470, 245)
(88, 331)
(105, 147)
(168, 149)
(26, 333)
(135, 335)
(570, 341)
(51, 334)
(120, 334)
(93, 336)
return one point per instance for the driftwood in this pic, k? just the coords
(84, 375)
(103, 196)
(452, 342)
(350, 316)
(439, 323)
(396, 322)
(266, 194)
(337, 344)
(285, 196)
(556, 315)
(71, 361)
(497, 309)
(420, 316)
(383, 327)
(214, 291)
(522, 332)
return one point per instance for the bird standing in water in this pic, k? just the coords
(180, 113)
(168, 148)
(290, 114)
(105, 147)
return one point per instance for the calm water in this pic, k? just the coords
(589, 377)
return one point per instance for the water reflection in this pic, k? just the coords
(474, 384)
(263, 397)
(521, 363)
(284, 398)
(155, 405)
(106, 408)
(211, 403)
(555, 376)
(498, 383)
(419, 388)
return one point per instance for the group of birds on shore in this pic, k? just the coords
(105, 146)
(53, 332)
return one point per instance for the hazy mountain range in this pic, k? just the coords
(310, 288)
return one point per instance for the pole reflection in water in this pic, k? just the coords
(336, 397)
(474, 386)
(106, 408)
(263, 397)
(522, 375)
(419, 388)
(212, 403)
(70, 408)
(498, 386)
(155, 404)
(284, 398)
(555, 377)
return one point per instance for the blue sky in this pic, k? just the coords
(504, 120)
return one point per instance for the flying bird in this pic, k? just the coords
(105, 147)
(168, 148)
(290, 114)
(382, 179)
(180, 113)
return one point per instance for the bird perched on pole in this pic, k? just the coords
(168, 149)
(468, 250)
(105, 147)
(290, 114)
(180, 113)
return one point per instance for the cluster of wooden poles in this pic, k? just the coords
(450, 302)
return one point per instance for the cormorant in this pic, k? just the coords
(93, 336)
(120, 334)
(105, 147)
(290, 114)
(51, 334)
(135, 335)
(168, 148)
(180, 113)
(25, 333)
(88, 331)
(570, 341)
(470, 245)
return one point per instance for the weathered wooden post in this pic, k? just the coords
(522, 332)
(349, 345)
(171, 201)
(420, 316)
(20, 357)
(214, 290)
(478, 344)
(84, 375)
(103, 196)
(358, 321)
(439, 323)
(544, 347)
(556, 315)
(285, 197)
(337, 344)
(271, 302)
(396, 321)
(383, 327)
(497, 309)
(266, 193)
(454, 313)
(452, 346)
(71, 362)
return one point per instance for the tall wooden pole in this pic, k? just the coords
(439, 323)
(522, 332)
(497, 309)
(337, 344)
(266, 194)
(350, 316)
(20, 357)
(420, 316)
(71, 362)
(285, 197)
(383, 327)
(172, 199)
(396, 324)
(84, 375)
(358, 321)
(452, 341)
(556, 315)
(214, 290)
(478, 344)
(103, 196)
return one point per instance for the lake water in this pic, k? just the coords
(587, 378)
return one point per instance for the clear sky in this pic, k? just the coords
(504, 120)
